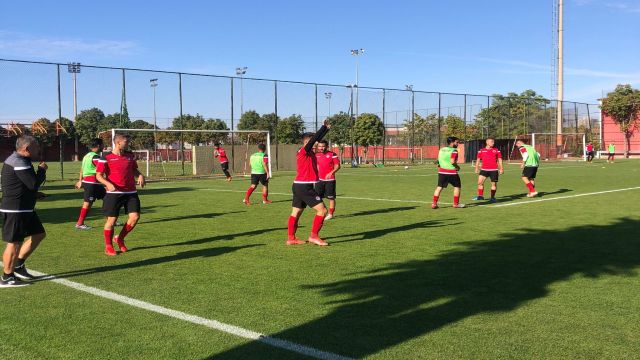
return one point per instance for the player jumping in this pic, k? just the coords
(221, 154)
(448, 172)
(304, 193)
(491, 159)
(328, 165)
(118, 171)
(93, 190)
(530, 163)
(259, 174)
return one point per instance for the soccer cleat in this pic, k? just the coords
(228, 179)
(478, 198)
(267, 202)
(246, 202)
(22, 273)
(108, 250)
(459, 206)
(434, 206)
(493, 200)
(82, 227)
(295, 241)
(328, 217)
(11, 281)
(120, 243)
(317, 241)
(533, 194)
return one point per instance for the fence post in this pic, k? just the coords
(61, 144)
(384, 125)
(181, 121)
(575, 113)
(413, 124)
(275, 137)
(439, 118)
(233, 161)
(465, 117)
(316, 86)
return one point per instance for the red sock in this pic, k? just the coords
(108, 235)
(331, 210)
(292, 227)
(435, 199)
(493, 193)
(531, 188)
(480, 191)
(317, 225)
(83, 214)
(125, 230)
(249, 192)
(265, 195)
(456, 200)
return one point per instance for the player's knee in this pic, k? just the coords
(134, 217)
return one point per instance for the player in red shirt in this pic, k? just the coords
(328, 164)
(590, 153)
(118, 171)
(304, 193)
(491, 159)
(221, 154)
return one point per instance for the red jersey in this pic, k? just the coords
(589, 147)
(307, 167)
(326, 162)
(489, 158)
(120, 170)
(222, 155)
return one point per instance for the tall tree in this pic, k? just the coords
(42, 129)
(367, 131)
(423, 130)
(454, 126)
(340, 134)
(141, 140)
(623, 106)
(88, 124)
(215, 124)
(290, 130)
(514, 114)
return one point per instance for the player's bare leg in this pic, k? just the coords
(248, 194)
(265, 195)
(131, 223)
(436, 196)
(9, 257)
(481, 180)
(30, 245)
(108, 235)
(318, 221)
(293, 227)
(494, 188)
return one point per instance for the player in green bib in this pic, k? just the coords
(448, 172)
(529, 166)
(93, 190)
(259, 174)
(612, 152)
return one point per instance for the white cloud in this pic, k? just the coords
(624, 7)
(25, 45)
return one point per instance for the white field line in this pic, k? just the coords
(566, 197)
(212, 324)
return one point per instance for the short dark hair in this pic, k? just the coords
(121, 137)
(95, 143)
(325, 142)
(521, 140)
(216, 144)
(25, 141)
(451, 139)
(490, 138)
(262, 147)
(307, 135)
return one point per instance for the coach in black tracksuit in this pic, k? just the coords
(20, 185)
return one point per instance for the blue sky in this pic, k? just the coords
(480, 47)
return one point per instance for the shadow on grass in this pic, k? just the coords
(399, 302)
(378, 211)
(70, 214)
(189, 217)
(374, 234)
(78, 194)
(226, 237)
(524, 195)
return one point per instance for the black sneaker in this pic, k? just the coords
(11, 281)
(22, 273)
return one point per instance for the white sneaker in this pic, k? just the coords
(328, 217)
(533, 194)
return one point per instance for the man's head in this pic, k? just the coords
(590, 143)
(121, 142)
(453, 141)
(96, 145)
(490, 142)
(306, 137)
(520, 143)
(262, 147)
(216, 146)
(27, 146)
(323, 146)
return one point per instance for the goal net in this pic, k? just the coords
(164, 154)
(551, 146)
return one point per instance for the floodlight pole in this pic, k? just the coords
(560, 77)
(357, 53)
(154, 85)
(413, 124)
(74, 68)
(241, 71)
(327, 96)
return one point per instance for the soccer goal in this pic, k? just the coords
(168, 153)
(398, 154)
(551, 146)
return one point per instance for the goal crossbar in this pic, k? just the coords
(582, 135)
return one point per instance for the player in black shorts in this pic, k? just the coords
(22, 230)
(93, 190)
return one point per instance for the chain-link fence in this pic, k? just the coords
(76, 103)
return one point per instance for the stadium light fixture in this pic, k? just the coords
(327, 96)
(357, 53)
(240, 71)
(154, 83)
(75, 68)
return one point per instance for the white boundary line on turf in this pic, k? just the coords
(212, 324)
(566, 197)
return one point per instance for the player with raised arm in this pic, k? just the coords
(491, 168)
(529, 166)
(259, 175)
(589, 151)
(328, 165)
(448, 172)
(93, 189)
(118, 172)
(303, 190)
(221, 154)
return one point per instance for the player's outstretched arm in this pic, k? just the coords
(317, 136)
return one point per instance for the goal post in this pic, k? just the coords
(169, 153)
(573, 145)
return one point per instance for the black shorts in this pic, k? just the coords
(224, 166)
(326, 189)
(530, 172)
(93, 192)
(446, 179)
(304, 195)
(113, 202)
(17, 226)
(259, 178)
(493, 174)
(590, 153)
